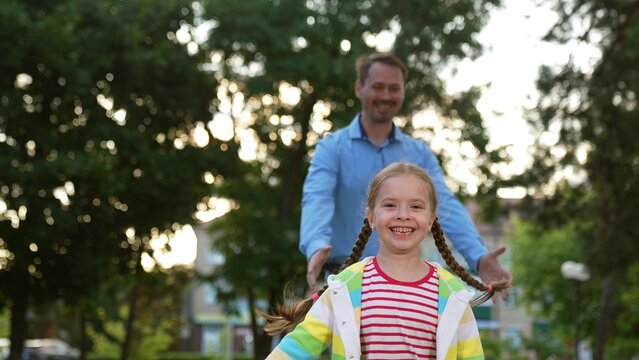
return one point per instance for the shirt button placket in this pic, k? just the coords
(382, 158)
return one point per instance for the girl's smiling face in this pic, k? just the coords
(403, 213)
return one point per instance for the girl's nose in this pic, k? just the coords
(402, 212)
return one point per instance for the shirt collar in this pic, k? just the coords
(357, 131)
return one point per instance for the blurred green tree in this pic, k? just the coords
(550, 298)
(286, 73)
(103, 107)
(159, 318)
(546, 294)
(586, 122)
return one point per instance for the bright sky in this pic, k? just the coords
(507, 71)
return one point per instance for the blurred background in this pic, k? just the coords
(152, 155)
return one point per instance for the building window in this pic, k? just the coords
(214, 258)
(513, 337)
(210, 294)
(212, 339)
(511, 302)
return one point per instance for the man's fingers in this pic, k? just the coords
(311, 276)
(499, 250)
(317, 261)
(315, 264)
(505, 293)
(310, 279)
(490, 270)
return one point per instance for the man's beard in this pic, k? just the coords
(384, 119)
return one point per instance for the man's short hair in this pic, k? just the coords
(364, 63)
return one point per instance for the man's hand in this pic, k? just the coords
(315, 265)
(490, 270)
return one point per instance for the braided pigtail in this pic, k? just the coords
(447, 255)
(360, 244)
(289, 315)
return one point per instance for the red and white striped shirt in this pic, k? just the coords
(399, 319)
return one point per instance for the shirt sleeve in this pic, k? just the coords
(468, 338)
(318, 198)
(453, 216)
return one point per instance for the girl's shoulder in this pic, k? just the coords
(352, 272)
(448, 279)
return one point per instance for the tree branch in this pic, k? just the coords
(619, 34)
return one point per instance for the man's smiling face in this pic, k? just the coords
(382, 93)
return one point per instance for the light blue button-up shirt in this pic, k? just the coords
(334, 197)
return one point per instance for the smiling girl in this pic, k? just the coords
(393, 305)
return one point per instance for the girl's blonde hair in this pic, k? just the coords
(289, 315)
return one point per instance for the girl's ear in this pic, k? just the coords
(432, 220)
(369, 216)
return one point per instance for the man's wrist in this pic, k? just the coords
(475, 262)
(312, 250)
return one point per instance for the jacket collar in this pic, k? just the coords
(349, 274)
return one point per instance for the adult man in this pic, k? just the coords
(345, 162)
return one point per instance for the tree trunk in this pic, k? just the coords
(83, 336)
(261, 343)
(294, 172)
(604, 316)
(133, 300)
(19, 303)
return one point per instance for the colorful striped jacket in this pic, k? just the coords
(334, 320)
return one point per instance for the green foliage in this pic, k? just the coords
(540, 275)
(626, 344)
(596, 127)
(592, 111)
(547, 345)
(92, 356)
(4, 324)
(185, 356)
(98, 101)
(549, 296)
(151, 339)
(546, 294)
(174, 356)
(158, 314)
(499, 349)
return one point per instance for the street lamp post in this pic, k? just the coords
(576, 273)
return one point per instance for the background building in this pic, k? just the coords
(209, 329)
